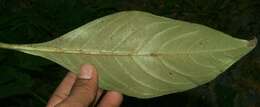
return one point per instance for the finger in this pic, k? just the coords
(111, 99)
(62, 90)
(85, 87)
(99, 94)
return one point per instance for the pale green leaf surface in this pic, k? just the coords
(144, 55)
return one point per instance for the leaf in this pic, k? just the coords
(144, 55)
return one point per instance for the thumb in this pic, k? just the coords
(85, 88)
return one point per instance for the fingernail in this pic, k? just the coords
(85, 73)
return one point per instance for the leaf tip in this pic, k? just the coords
(252, 43)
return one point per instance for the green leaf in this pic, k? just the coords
(144, 55)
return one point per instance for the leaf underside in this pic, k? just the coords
(144, 55)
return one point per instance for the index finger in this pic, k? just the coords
(63, 90)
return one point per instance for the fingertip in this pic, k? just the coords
(87, 71)
(111, 99)
(87, 66)
(71, 76)
(115, 94)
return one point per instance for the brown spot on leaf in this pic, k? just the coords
(154, 55)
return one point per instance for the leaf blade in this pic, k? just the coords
(150, 52)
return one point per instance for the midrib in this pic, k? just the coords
(24, 48)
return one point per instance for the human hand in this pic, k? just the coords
(83, 91)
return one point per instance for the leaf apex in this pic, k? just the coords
(252, 43)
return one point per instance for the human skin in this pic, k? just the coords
(83, 91)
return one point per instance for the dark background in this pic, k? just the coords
(28, 81)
